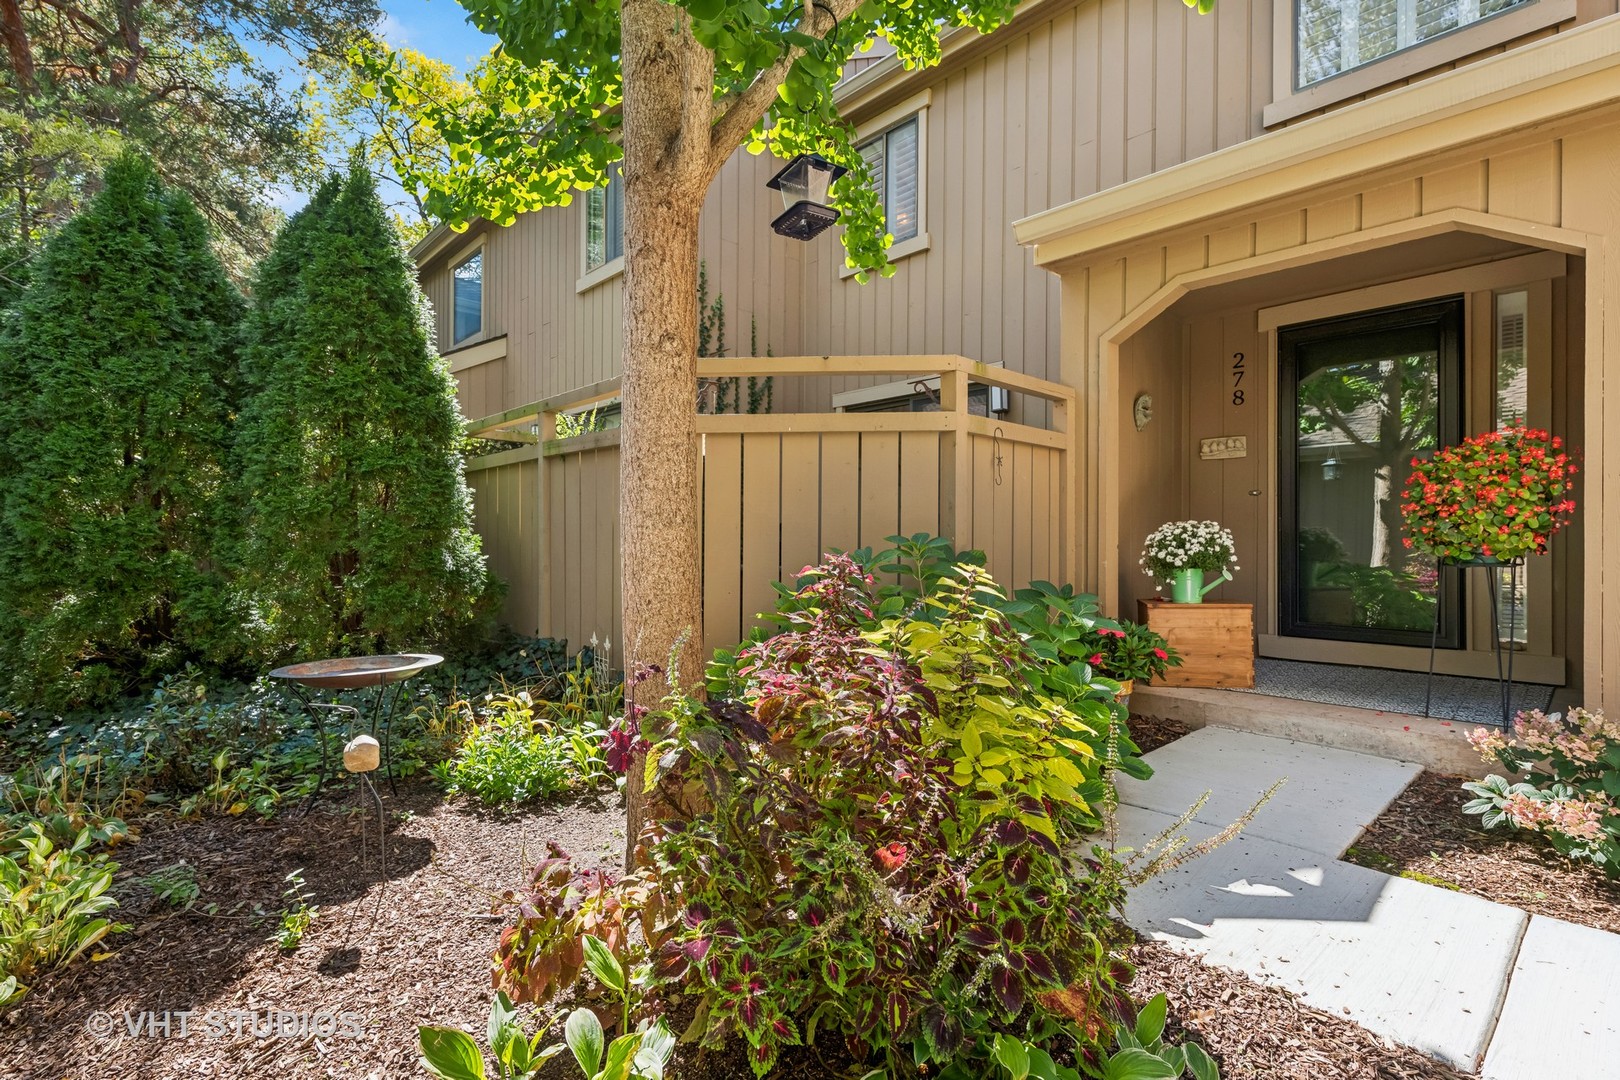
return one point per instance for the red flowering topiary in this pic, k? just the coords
(1500, 495)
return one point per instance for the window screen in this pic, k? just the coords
(469, 295)
(892, 159)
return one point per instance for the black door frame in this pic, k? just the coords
(1447, 316)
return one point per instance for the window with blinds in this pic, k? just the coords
(892, 159)
(468, 277)
(604, 222)
(1335, 36)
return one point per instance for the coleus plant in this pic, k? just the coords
(566, 909)
(867, 842)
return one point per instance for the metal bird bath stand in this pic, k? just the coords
(354, 673)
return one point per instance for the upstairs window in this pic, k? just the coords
(604, 222)
(892, 159)
(1336, 36)
(468, 276)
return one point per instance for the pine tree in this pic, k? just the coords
(117, 372)
(356, 514)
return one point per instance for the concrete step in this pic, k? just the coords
(1440, 745)
(1329, 797)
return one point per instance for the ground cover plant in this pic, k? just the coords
(201, 748)
(866, 843)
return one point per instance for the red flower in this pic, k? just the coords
(1161, 654)
(1095, 660)
(891, 857)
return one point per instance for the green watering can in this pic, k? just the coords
(1188, 587)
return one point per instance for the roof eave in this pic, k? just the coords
(1572, 72)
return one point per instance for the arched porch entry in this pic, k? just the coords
(1223, 441)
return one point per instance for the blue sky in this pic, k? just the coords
(435, 28)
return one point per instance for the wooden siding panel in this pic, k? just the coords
(1334, 218)
(1525, 184)
(1390, 203)
(880, 488)
(1461, 187)
(722, 538)
(919, 483)
(761, 512)
(801, 501)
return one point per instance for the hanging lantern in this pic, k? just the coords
(804, 183)
(1330, 469)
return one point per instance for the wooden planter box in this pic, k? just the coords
(1216, 642)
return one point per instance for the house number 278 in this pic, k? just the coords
(1237, 378)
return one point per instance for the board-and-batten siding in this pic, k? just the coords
(1047, 111)
(1072, 99)
(559, 338)
(1091, 96)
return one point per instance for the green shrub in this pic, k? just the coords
(357, 521)
(51, 903)
(867, 843)
(510, 756)
(117, 384)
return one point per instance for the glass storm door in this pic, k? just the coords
(1360, 398)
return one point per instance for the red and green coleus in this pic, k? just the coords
(847, 876)
(1501, 495)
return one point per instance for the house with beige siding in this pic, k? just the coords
(1149, 266)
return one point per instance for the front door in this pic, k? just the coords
(1360, 398)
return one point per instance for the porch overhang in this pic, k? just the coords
(1571, 73)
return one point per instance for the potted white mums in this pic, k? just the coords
(1180, 553)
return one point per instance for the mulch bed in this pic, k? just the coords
(1151, 732)
(1425, 835)
(1261, 1032)
(415, 949)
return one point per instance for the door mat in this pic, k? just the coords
(1471, 701)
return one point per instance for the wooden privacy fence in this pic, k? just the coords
(777, 491)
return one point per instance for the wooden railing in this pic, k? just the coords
(778, 490)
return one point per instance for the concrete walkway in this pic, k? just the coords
(1482, 986)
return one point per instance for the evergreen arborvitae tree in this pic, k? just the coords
(116, 378)
(356, 515)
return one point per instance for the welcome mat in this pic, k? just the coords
(1471, 701)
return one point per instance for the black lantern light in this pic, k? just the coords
(1330, 468)
(803, 183)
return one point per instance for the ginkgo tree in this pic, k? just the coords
(667, 91)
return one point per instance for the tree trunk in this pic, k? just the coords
(668, 94)
(1388, 521)
(18, 48)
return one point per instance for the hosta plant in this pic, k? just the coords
(1140, 1052)
(52, 903)
(639, 1054)
(1572, 791)
(867, 844)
